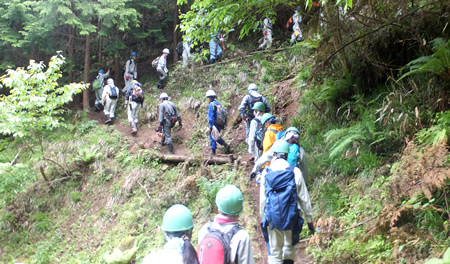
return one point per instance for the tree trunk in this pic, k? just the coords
(70, 51)
(87, 57)
(175, 33)
(47, 180)
(117, 71)
(223, 159)
(100, 42)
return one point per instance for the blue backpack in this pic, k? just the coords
(281, 210)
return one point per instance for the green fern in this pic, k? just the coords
(438, 63)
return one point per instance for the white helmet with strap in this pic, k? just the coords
(166, 51)
(252, 87)
(163, 96)
(210, 93)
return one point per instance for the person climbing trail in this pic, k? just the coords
(297, 31)
(177, 226)
(168, 116)
(110, 97)
(273, 131)
(267, 31)
(215, 51)
(283, 194)
(255, 125)
(245, 108)
(97, 86)
(133, 103)
(234, 244)
(130, 73)
(162, 68)
(217, 122)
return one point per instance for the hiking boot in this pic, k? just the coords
(96, 108)
(133, 131)
(161, 142)
(226, 148)
(212, 153)
(170, 148)
(108, 120)
(288, 261)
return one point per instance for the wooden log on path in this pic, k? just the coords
(217, 159)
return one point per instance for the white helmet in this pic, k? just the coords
(166, 51)
(163, 96)
(252, 87)
(210, 93)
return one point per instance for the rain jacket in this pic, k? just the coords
(271, 136)
(246, 105)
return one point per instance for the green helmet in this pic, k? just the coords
(280, 146)
(177, 218)
(259, 106)
(229, 200)
(292, 129)
(265, 117)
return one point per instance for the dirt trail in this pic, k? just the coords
(148, 139)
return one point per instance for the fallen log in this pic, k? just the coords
(218, 159)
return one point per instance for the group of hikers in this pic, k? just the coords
(280, 170)
(279, 167)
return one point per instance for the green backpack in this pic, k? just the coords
(96, 85)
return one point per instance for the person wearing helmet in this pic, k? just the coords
(133, 103)
(247, 104)
(168, 116)
(273, 132)
(130, 73)
(296, 156)
(213, 126)
(258, 110)
(230, 202)
(162, 68)
(296, 19)
(110, 97)
(282, 242)
(98, 93)
(267, 31)
(214, 47)
(177, 226)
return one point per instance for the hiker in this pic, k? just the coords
(267, 31)
(109, 97)
(216, 124)
(283, 189)
(133, 103)
(297, 31)
(273, 131)
(177, 226)
(258, 110)
(230, 203)
(168, 116)
(214, 47)
(162, 68)
(98, 88)
(186, 51)
(130, 73)
(296, 156)
(247, 104)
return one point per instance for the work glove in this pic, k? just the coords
(252, 175)
(109, 68)
(311, 228)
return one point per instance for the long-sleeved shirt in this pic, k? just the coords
(246, 105)
(162, 63)
(102, 77)
(303, 200)
(267, 24)
(270, 136)
(170, 254)
(131, 68)
(241, 248)
(168, 109)
(296, 19)
(212, 113)
(107, 92)
(252, 148)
